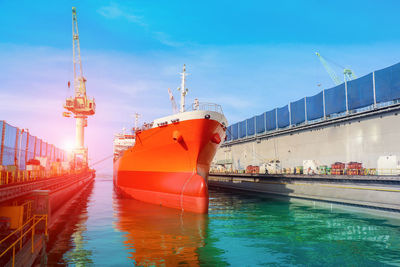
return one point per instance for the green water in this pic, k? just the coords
(102, 229)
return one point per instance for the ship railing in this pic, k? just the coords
(144, 127)
(206, 106)
(381, 172)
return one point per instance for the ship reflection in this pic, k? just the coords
(156, 235)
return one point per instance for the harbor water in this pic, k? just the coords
(103, 229)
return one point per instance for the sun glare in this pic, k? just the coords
(69, 145)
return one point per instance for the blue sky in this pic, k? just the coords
(248, 56)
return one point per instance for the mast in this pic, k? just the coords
(137, 116)
(183, 89)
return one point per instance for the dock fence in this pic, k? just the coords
(17, 147)
(380, 88)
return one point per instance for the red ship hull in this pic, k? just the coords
(168, 165)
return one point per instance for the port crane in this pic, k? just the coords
(79, 105)
(347, 73)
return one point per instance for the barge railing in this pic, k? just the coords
(35, 220)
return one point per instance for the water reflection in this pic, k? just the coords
(156, 235)
(66, 236)
(240, 230)
(278, 231)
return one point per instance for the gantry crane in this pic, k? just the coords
(79, 105)
(347, 73)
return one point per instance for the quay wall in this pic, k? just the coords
(63, 193)
(372, 194)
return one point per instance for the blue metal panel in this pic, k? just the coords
(242, 129)
(48, 154)
(31, 147)
(315, 106)
(251, 126)
(38, 146)
(360, 92)
(297, 111)
(1, 138)
(387, 83)
(1, 132)
(22, 162)
(335, 99)
(270, 120)
(229, 133)
(21, 150)
(235, 131)
(10, 137)
(260, 123)
(283, 117)
(44, 149)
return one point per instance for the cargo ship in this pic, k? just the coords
(166, 162)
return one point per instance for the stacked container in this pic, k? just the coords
(337, 168)
(354, 168)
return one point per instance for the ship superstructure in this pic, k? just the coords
(169, 162)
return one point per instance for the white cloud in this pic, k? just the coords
(114, 11)
(166, 39)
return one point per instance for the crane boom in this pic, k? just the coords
(328, 68)
(79, 80)
(171, 97)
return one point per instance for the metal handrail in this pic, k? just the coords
(39, 219)
(20, 228)
(206, 106)
(362, 171)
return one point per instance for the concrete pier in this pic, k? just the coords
(372, 191)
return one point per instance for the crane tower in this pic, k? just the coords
(80, 105)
